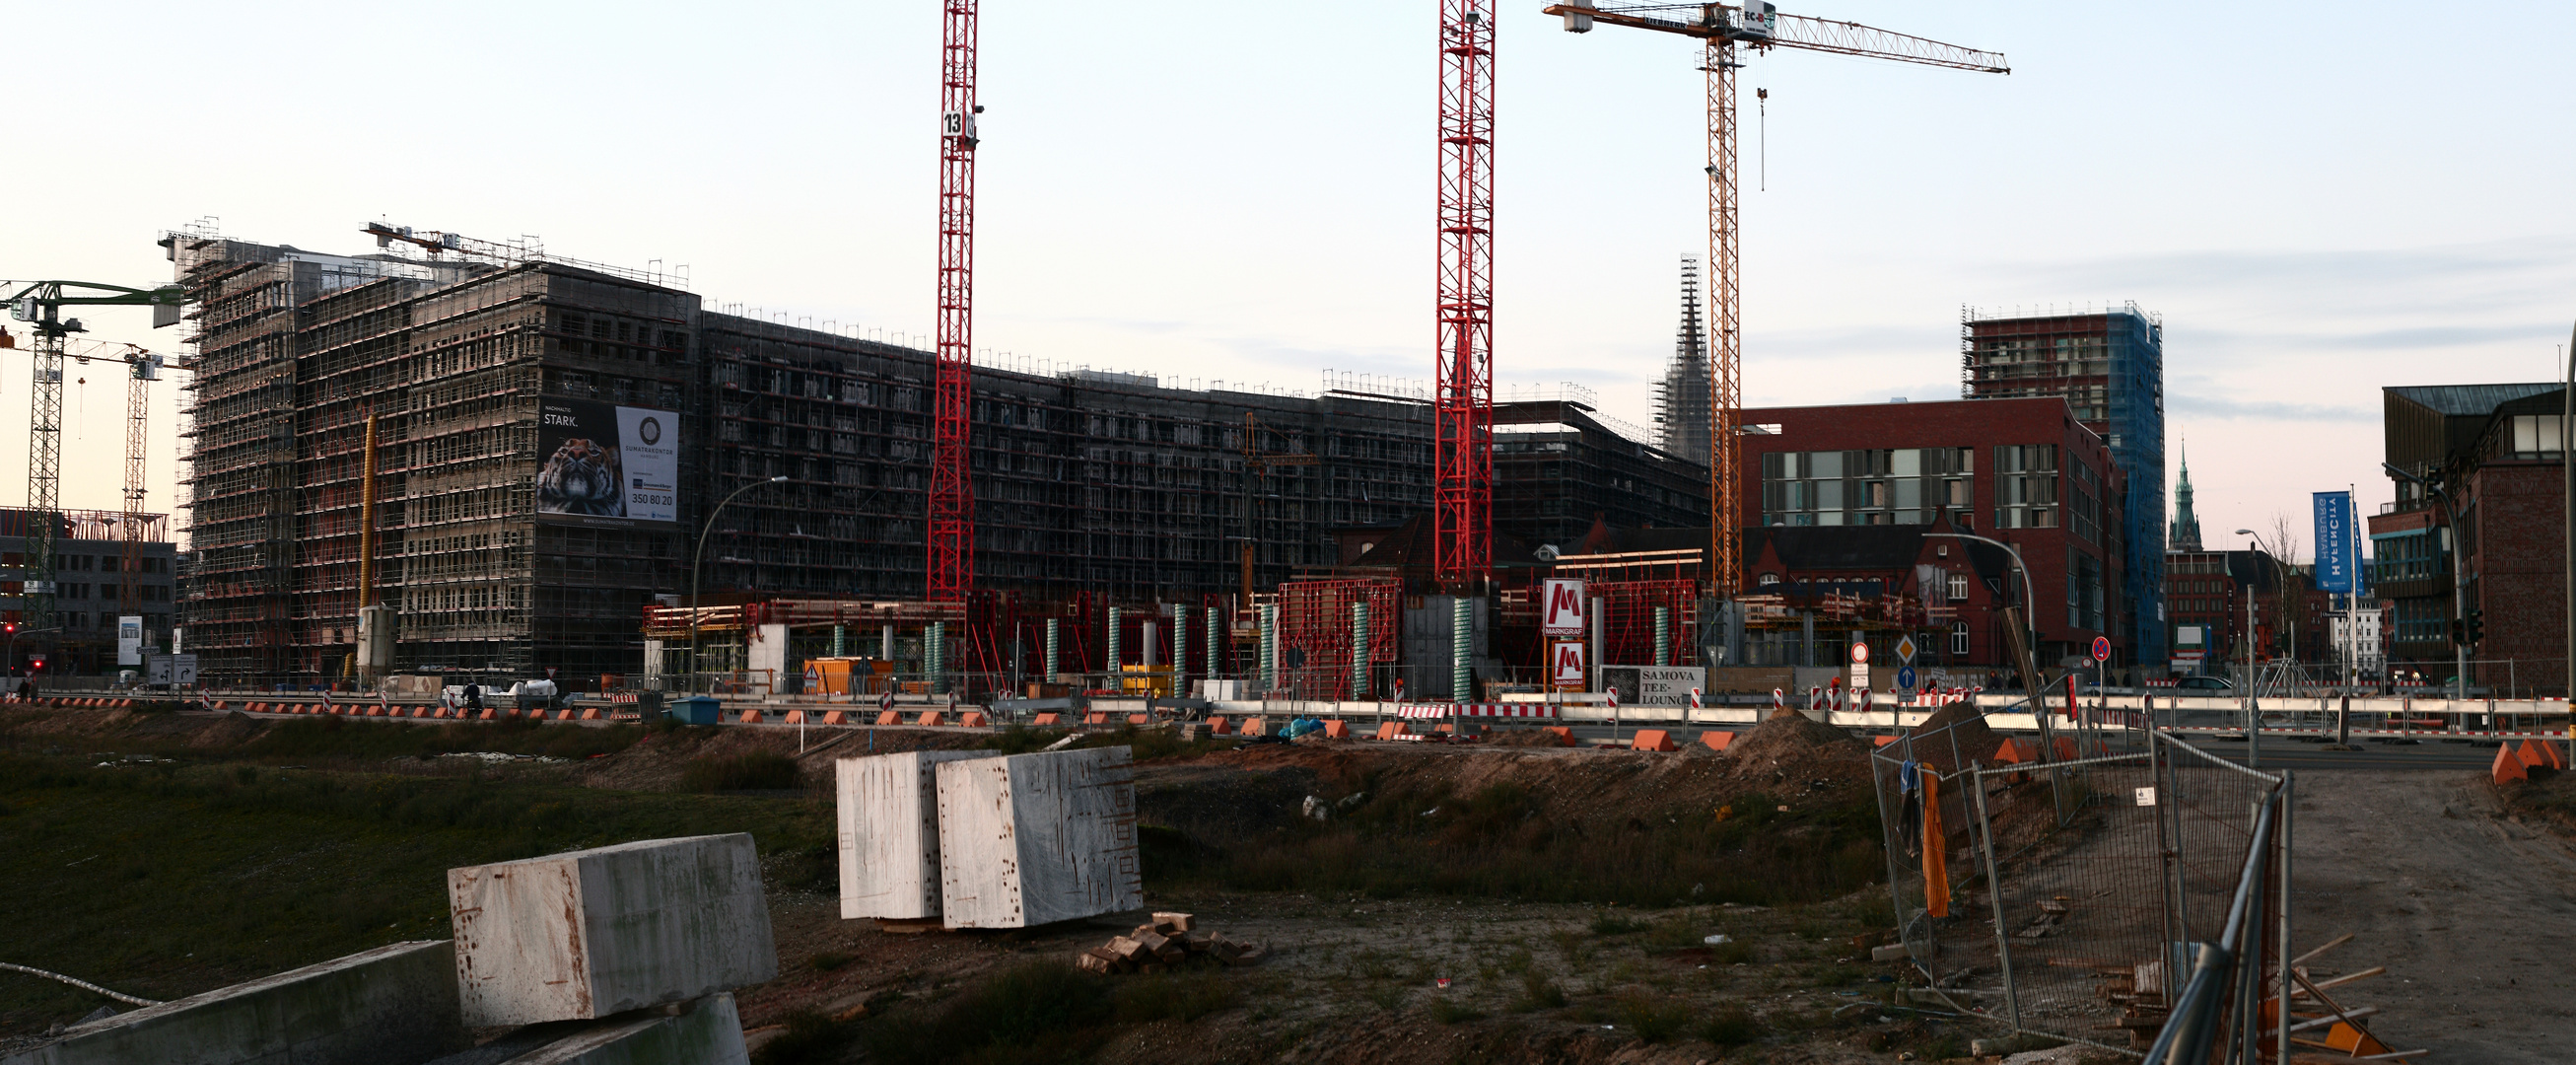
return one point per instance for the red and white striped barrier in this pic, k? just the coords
(1438, 710)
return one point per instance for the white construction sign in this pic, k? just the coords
(889, 813)
(1032, 839)
(1655, 685)
(1561, 608)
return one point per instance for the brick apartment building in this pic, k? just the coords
(2496, 449)
(1841, 499)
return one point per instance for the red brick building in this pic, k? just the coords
(2496, 451)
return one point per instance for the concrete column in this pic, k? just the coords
(1600, 619)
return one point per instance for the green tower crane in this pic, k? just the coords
(39, 304)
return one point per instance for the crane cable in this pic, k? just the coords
(82, 984)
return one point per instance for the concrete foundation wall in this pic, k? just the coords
(394, 1005)
(587, 934)
(889, 829)
(709, 1033)
(1036, 838)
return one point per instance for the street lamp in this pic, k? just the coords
(2030, 619)
(2253, 713)
(2459, 579)
(699, 555)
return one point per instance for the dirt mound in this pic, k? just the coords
(659, 760)
(1790, 735)
(1968, 739)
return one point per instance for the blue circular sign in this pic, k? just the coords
(2101, 648)
(1905, 676)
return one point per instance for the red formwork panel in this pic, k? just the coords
(1315, 632)
(1628, 622)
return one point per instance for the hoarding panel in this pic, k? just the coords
(607, 464)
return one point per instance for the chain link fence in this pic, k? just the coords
(2066, 896)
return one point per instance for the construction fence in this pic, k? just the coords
(2069, 896)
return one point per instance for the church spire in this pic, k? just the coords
(2184, 534)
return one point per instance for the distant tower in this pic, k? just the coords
(2185, 533)
(1681, 401)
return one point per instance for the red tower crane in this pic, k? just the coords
(1760, 26)
(951, 524)
(1462, 493)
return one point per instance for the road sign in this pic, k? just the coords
(1905, 651)
(1905, 677)
(2101, 648)
(1860, 677)
(1860, 653)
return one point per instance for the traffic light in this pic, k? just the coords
(35, 664)
(9, 628)
(2459, 632)
(2477, 627)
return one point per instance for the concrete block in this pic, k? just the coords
(1032, 839)
(706, 1031)
(394, 1005)
(585, 934)
(889, 818)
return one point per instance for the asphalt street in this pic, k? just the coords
(2277, 752)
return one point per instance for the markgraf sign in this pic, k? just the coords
(1565, 670)
(607, 465)
(1561, 608)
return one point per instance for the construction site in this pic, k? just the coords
(549, 664)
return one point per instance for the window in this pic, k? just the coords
(1958, 631)
(1958, 587)
(2530, 436)
(1769, 579)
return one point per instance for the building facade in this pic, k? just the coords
(2497, 452)
(514, 531)
(91, 578)
(2109, 367)
(2023, 471)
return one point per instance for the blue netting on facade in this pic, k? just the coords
(2137, 440)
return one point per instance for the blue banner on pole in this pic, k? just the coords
(2335, 561)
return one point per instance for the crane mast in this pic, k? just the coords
(1722, 28)
(40, 304)
(1463, 413)
(951, 526)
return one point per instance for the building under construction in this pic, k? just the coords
(514, 530)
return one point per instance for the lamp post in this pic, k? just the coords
(699, 555)
(2253, 712)
(2028, 616)
(2459, 579)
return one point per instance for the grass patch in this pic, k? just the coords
(1035, 1012)
(167, 880)
(1499, 842)
(810, 1038)
(327, 739)
(1164, 996)
(1730, 1025)
(1538, 993)
(750, 771)
(1612, 924)
(1450, 1011)
(1653, 1017)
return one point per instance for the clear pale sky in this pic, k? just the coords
(2320, 200)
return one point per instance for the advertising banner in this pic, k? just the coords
(2335, 561)
(1654, 685)
(1560, 608)
(129, 639)
(605, 464)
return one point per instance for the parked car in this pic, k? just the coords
(2204, 684)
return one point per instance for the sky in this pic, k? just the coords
(2318, 201)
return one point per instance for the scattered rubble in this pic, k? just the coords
(1167, 942)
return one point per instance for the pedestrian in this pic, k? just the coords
(27, 689)
(473, 697)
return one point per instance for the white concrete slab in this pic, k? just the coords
(889, 819)
(1032, 839)
(395, 1004)
(586, 934)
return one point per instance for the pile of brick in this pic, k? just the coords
(1168, 942)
